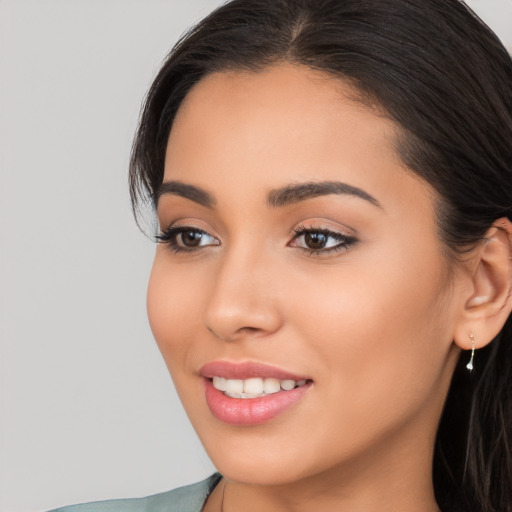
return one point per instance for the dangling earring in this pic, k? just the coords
(469, 366)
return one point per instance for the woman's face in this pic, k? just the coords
(297, 247)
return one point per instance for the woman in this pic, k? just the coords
(332, 287)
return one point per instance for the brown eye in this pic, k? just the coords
(315, 240)
(190, 238)
(185, 238)
(321, 241)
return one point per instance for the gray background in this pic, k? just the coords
(87, 410)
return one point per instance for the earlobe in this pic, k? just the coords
(490, 303)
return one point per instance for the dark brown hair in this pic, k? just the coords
(446, 80)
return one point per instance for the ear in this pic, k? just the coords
(488, 303)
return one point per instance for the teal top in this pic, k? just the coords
(184, 499)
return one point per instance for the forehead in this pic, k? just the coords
(286, 104)
(242, 132)
(282, 89)
(271, 84)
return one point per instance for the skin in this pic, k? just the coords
(373, 324)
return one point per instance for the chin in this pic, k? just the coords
(262, 455)
(258, 471)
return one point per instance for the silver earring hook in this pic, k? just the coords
(469, 366)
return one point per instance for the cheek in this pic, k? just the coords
(173, 308)
(381, 331)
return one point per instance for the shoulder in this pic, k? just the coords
(190, 498)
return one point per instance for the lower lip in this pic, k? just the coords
(251, 411)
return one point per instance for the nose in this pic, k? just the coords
(244, 299)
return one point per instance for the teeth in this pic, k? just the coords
(254, 387)
(271, 386)
(234, 386)
(219, 383)
(287, 385)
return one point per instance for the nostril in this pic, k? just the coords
(238, 333)
(230, 319)
(249, 330)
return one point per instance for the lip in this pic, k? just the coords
(249, 411)
(247, 370)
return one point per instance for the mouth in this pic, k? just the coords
(255, 387)
(251, 393)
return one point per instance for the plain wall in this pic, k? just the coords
(87, 409)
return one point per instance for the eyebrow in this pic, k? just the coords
(280, 197)
(295, 193)
(176, 188)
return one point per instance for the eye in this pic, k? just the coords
(186, 238)
(318, 241)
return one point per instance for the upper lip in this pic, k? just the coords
(246, 370)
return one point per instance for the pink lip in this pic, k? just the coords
(246, 370)
(249, 411)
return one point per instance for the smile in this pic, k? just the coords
(255, 387)
(250, 393)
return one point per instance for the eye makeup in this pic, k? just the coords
(320, 241)
(313, 240)
(182, 238)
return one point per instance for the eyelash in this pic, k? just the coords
(344, 241)
(169, 237)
